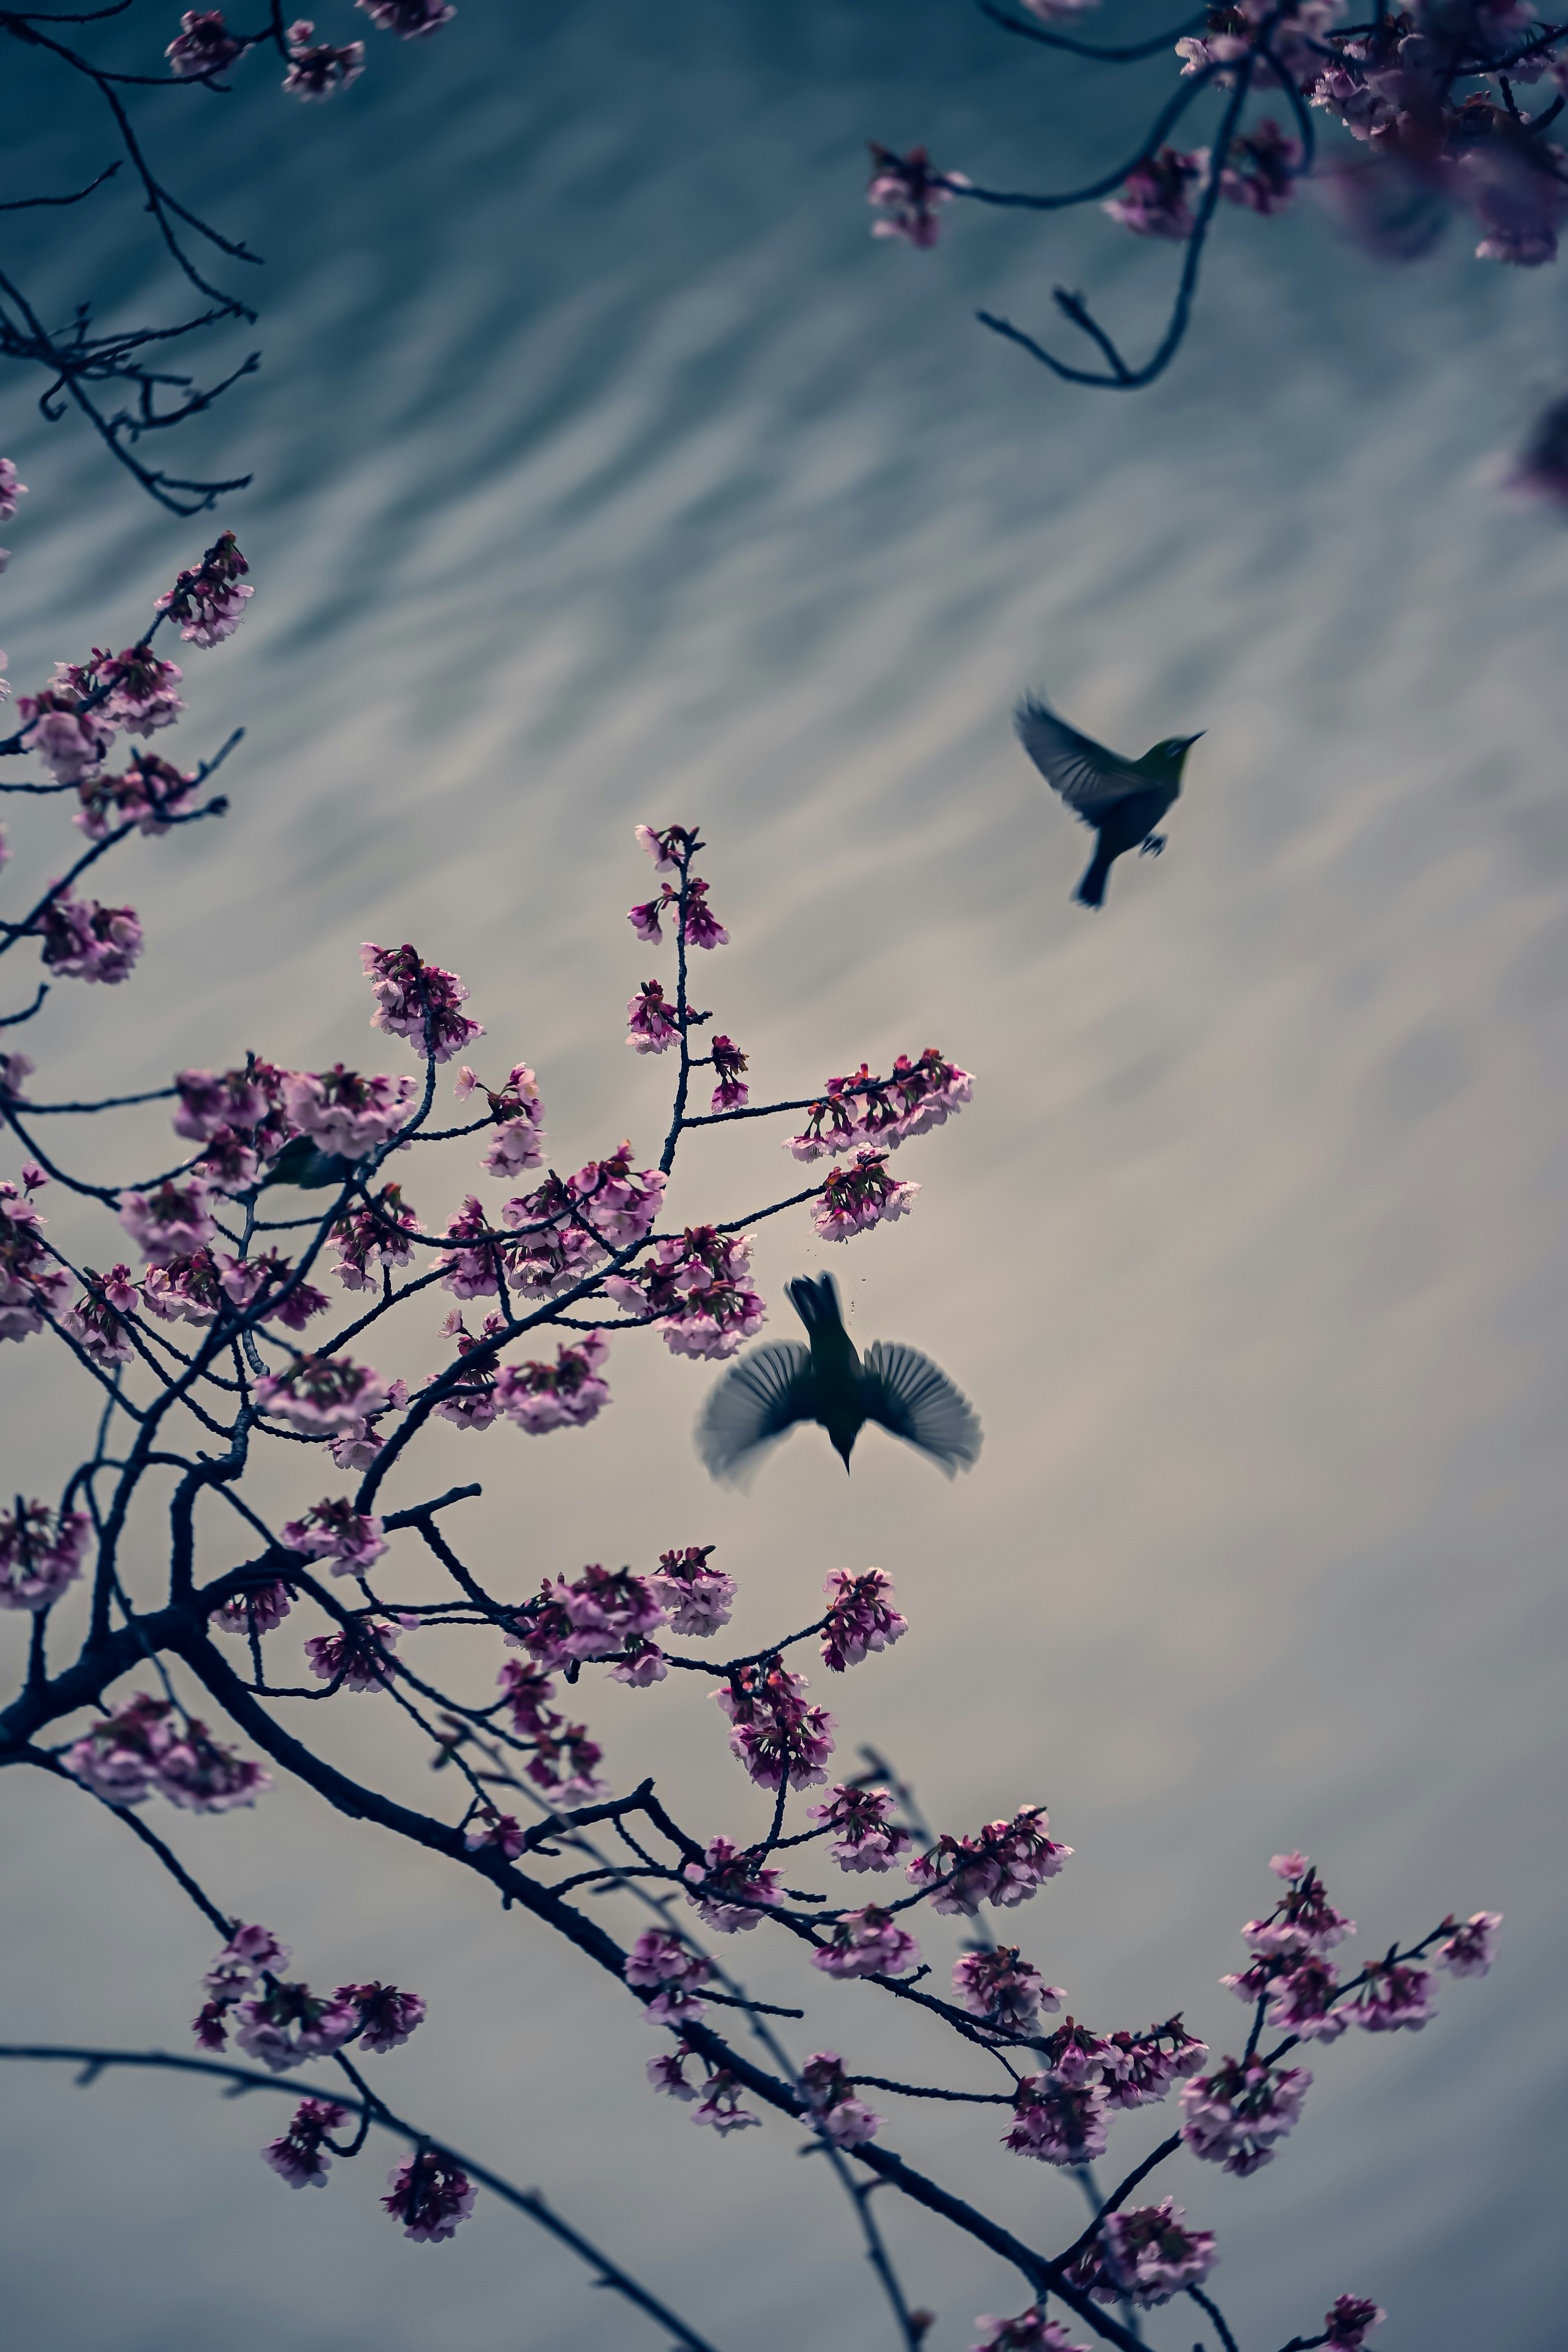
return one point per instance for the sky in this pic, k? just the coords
(607, 472)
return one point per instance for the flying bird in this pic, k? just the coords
(773, 1386)
(1123, 800)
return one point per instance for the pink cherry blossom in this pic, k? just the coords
(830, 2096)
(207, 603)
(371, 1241)
(149, 794)
(70, 741)
(498, 1830)
(1004, 1864)
(1290, 1865)
(1303, 1920)
(201, 45)
(357, 1658)
(1300, 2000)
(667, 2072)
(864, 1839)
(258, 1609)
(567, 1394)
(139, 697)
(1031, 2331)
(1154, 199)
(642, 1664)
(471, 1404)
(316, 69)
(186, 1290)
(11, 489)
(674, 1971)
(409, 993)
(1350, 2322)
(40, 1554)
(332, 1530)
(1394, 1994)
(250, 1952)
(732, 1093)
(1058, 2123)
(431, 2193)
(697, 1287)
(776, 1736)
(1139, 2071)
(696, 1597)
(619, 1202)
(867, 1943)
(520, 1117)
(1470, 1950)
(266, 1286)
(652, 1022)
(1146, 2254)
(1234, 2116)
(32, 1284)
(702, 928)
(860, 1617)
(1058, 12)
(239, 1099)
(883, 1112)
(910, 193)
(719, 2105)
(298, 2156)
(322, 1395)
(1005, 1990)
(731, 1888)
(856, 1197)
(346, 1113)
(171, 1222)
(96, 1323)
(386, 2017)
(146, 1744)
(84, 940)
(1263, 170)
(411, 20)
(528, 1694)
(15, 1069)
(666, 848)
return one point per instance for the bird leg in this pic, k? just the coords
(1153, 845)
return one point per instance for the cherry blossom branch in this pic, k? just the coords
(375, 2110)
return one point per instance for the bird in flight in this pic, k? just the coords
(773, 1386)
(1123, 800)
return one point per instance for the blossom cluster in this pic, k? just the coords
(837, 2114)
(32, 1283)
(282, 2023)
(207, 603)
(854, 1198)
(697, 1287)
(41, 1553)
(149, 794)
(84, 940)
(860, 1617)
(672, 851)
(672, 1971)
(861, 1110)
(777, 1735)
(1235, 2116)
(729, 1887)
(1003, 1865)
(1031, 2331)
(335, 1531)
(719, 2099)
(563, 1757)
(1002, 1989)
(149, 1744)
(867, 1943)
(863, 1836)
(1145, 2254)
(518, 1112)
(909, 195)
(358, 1656)
(418, 1001)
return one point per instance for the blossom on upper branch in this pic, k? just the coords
(1005, 1990)
(501, 1829)
(471, 1404)
(592, 1618)
(322, 1395)
(145, 1745)
(408, 993)
(430, 2195)
(345, 1113)
(697, 1287)
(201, 45)
(719, 2105)
(149, 794)
(883, 1112)
(662, 1960)
(1145, 2254)
(1470, 1950)
(1058, 2122)
(140, 695)
(32, 1283)
(1154, 199)
(298, 2156)
(186, 1290)
(867, 1943)
(316, 69)
(170, 1222)
(386, 2017)
(1139, 2073)
(207, 603)
(409, 19)
(1263, 168)
(336, 1532)
(15, 1069)
(777, 1735)
(1003, 1865)
(39, 1560)
(371, 1240)
(1303, 1920)
(667, 846)
(1234, 2116)
(1394, 1994)
(667, 2072)
(618, 1203)
(358, 1658)
(238, 1099)
(697, 1597)
(1031, 2331)
(835, 2109)
(96, 1321)
(1350, 2322)
(732, 1093)
(652, 1022)
(256, 1609)
(70, 741)
(566, 1394)
(911, 195)
(11, 489)
(84, 940)
(854, 1198)
(520, 1117)
(863, 1837)
(860, 1617)
(728, 1885)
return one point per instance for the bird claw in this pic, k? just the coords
(1153, 845)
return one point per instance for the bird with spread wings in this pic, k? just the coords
(764, 1395)
(1122, 800)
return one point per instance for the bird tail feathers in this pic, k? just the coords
(816, 1301)
(1091, 892)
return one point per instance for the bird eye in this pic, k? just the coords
(1172, 750)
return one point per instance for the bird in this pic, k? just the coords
(773, 1386)
(1123, 800)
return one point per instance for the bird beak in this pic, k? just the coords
(1195, 739)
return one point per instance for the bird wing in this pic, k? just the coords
(757, 1399)
(1089, 778)
(910, 1395)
